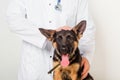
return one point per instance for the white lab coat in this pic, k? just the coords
(26, 16)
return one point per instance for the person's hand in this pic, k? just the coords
(86, 65)
(64, 28)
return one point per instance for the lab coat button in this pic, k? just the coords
(50, 21)
(49, 4)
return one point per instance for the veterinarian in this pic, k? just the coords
(26, 16)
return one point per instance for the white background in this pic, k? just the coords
(106, 63)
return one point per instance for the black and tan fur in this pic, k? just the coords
(66, 42)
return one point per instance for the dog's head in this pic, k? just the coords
(65, 41)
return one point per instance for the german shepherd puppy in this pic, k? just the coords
(67, 58)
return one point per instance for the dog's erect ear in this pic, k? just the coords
(47, 33)
(80, 28)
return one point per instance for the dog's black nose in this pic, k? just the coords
(63, 49)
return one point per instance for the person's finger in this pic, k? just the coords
(67, 28)
(86, 65)
(59, 29)
(84, 76)
(85, 70)
(83, 64)
(64, 28)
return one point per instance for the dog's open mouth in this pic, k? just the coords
(64, 60)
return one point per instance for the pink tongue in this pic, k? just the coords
(65, 61)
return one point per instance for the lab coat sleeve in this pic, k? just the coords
(19, 24)
(87, 42)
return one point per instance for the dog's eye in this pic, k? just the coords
(59, 37)
(69, 37)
